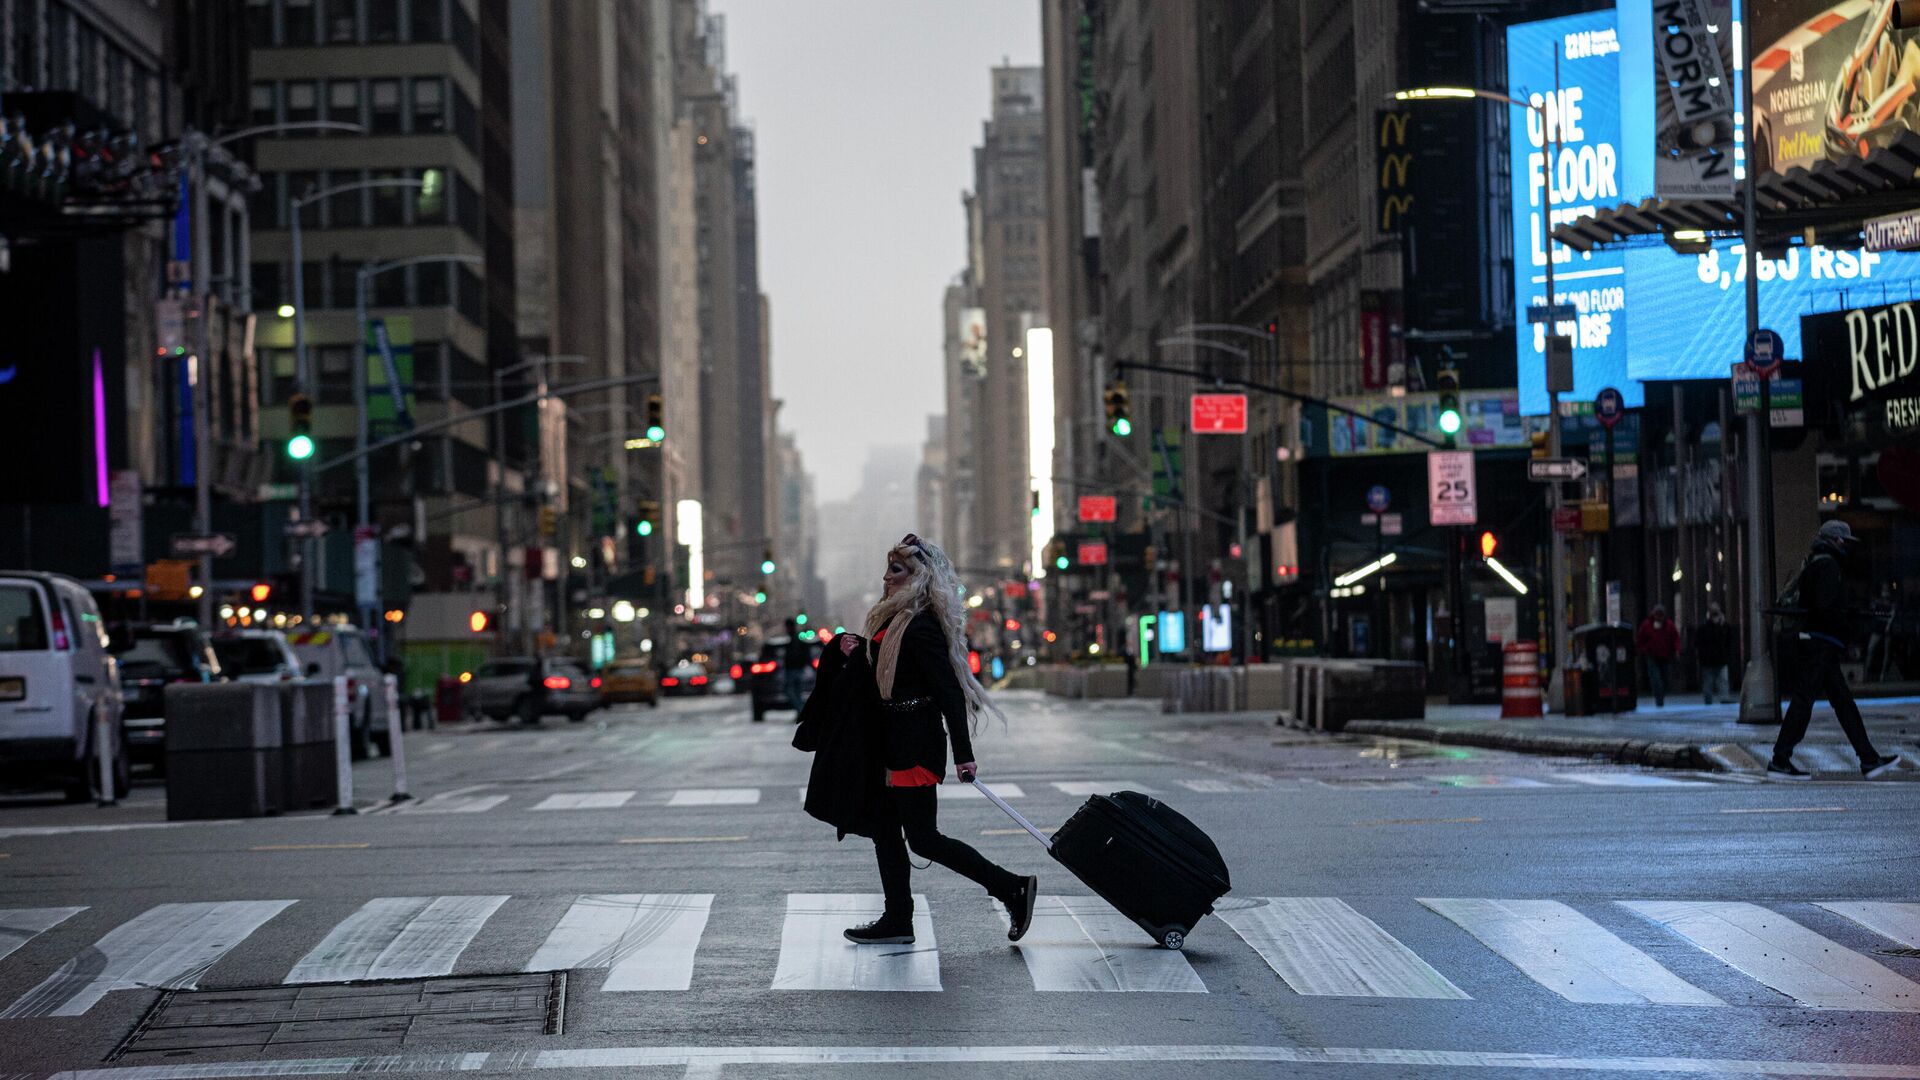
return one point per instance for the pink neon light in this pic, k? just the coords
(103, 494)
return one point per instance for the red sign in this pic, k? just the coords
(1098, 507)
(1566, 519)
(1219, 414)
(1093, 553)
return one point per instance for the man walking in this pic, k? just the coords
(1811, 653)
(1713, 648)
(1658, 642)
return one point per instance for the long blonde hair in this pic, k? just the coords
(932, 585)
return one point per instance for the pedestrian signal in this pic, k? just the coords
(1489, 543)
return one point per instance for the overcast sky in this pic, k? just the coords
(865, 115)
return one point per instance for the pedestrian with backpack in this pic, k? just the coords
(1812, 647)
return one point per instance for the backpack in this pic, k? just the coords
(1788, 606)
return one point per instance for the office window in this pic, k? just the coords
(429, 105)
(430, 203)
(383, 22)
(263, 205)
(344, 275)
(466, 37)
(386, 107)
(260, 23)
(59, 49)
(466, 120)
(389, 203)
(299, 22)
(466, 207)
(267, 289)
(429, 22)
(335, 367)
(344, 207)
(302, 101)
(262, 102)
(388, 289)
(431, 288)
(313, 283)
(471, 298)
(299, 184)
(343, 101)
(342, 22)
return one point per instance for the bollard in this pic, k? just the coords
(395, 747)
(104, 742)
(342, 747)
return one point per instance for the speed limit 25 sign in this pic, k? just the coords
(1450, 490)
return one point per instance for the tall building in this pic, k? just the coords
(930, 484)
(429, 84)
(963, 359)
(796, 586)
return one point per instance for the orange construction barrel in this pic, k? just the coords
(1520, 680)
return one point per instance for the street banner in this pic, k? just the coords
(1832, 81)
(1866, 362)
(972, 334)
(1693, 119)
(1451, 497)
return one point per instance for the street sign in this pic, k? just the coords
(125, 539)
(1219, 414)
(1391, 525)
(314, 528)
(1093, 553)
(1765, 352)
(1378, 498)
(1893, 232)
(218, 545)
(1098, 507)
(1540, 313)
(366, 565)
(1608, 407)
(1786, 393)
(1566, 519)
(1559, 364)
(1451, 496)
(1553, 470)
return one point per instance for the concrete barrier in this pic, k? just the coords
(1105, 682)
(1324, 694)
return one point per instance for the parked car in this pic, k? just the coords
(57, 680)
(769, 676)
(343, 650)
(627, 681)
(685, 678)
(256, 656)
(527, 688)
(160, 654)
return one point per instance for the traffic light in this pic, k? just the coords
(767, 565)
(1448, 382)
(1489, 543)
(656, 418)
(800, 619)
(260, 592)
(760, 597)
(299, 427)
(1119, 408)
(1061, 562)
(479, 621)
(649, 517)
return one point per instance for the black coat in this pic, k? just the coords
(925, 671)
(838, 726)
(1713, 644)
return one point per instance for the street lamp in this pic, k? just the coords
(302, 376)
(1550, 131)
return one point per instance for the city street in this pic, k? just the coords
(641, 895)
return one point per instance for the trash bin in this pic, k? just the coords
(1606, 651)
(446, 700)
(309, 767)
(224, 747)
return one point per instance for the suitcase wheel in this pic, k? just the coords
(1173, 938)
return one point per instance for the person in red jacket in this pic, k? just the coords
(1658, 642)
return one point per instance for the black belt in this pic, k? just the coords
(908, 705)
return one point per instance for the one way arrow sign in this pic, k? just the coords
(218, 545)
(1556, 469)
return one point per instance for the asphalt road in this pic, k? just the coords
(1398, 910)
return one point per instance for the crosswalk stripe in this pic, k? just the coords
(452, 803)
(1627, 779)
(397, 937)
(715, 797)
(1820, 758)
(1079, 943)
(815, 956)
(585, 800)
(1570, 954)
(1898, 922)
(1214, 787)
(1489, 781)
(647, 941)
(165, 947)
(1775, 950)
(1100, 787)
(21, 925)
(968, 791)
(1322, 947)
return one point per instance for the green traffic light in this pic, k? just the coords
(1122, 426)
(800, 619)
(760, 597)
(300, 447)
(644, 528)
(1450, 421)
(656, 433)
(1059, 562)
(767, 567)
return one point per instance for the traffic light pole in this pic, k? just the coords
(302, 384)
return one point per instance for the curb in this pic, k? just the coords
(1659, 755)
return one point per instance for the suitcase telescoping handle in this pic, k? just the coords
(1045, 840)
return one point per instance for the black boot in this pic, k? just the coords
(1019, 907)
(886, 930)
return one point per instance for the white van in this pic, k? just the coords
(56, 677)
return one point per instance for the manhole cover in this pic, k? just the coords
(391, 1014)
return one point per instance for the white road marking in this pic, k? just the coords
(1775, 950)
(1819, 758)
(453, 802)
(1340, 1059)
(738, 796)
(62, 830)
(585, 800)
(21, 925)
(814, 955)
(165, 947)
(1322, 947)
(397, 937)
(1786, 810)
(439, 747)
(1215, 787)
(562, 770)
(1627, 779)
(1898, 922)
(1489, 781)
(1080, 943)
(968, 791)
(1570, 954)
(647, 941)
(1100, 787)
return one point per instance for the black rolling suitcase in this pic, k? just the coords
(1140, 855)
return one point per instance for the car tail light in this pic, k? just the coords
(973, 662)
(670, 681)
(735, 671)
(816, 662)
(699, 680)
(557, 682)
(596, 682)
(765, 667)
(60, 640)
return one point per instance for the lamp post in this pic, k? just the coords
(362, 500)
(1759, 689)
(1551, 136)
(302, 374)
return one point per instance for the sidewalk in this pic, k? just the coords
(1683, 735)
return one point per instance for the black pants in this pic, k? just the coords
(913, 809)
(1815, 667)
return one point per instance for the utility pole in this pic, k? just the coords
(1759, 693)
(202, 274)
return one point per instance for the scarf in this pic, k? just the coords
(890, 639)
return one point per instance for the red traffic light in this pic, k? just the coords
(1489, 543)
(260, 592)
